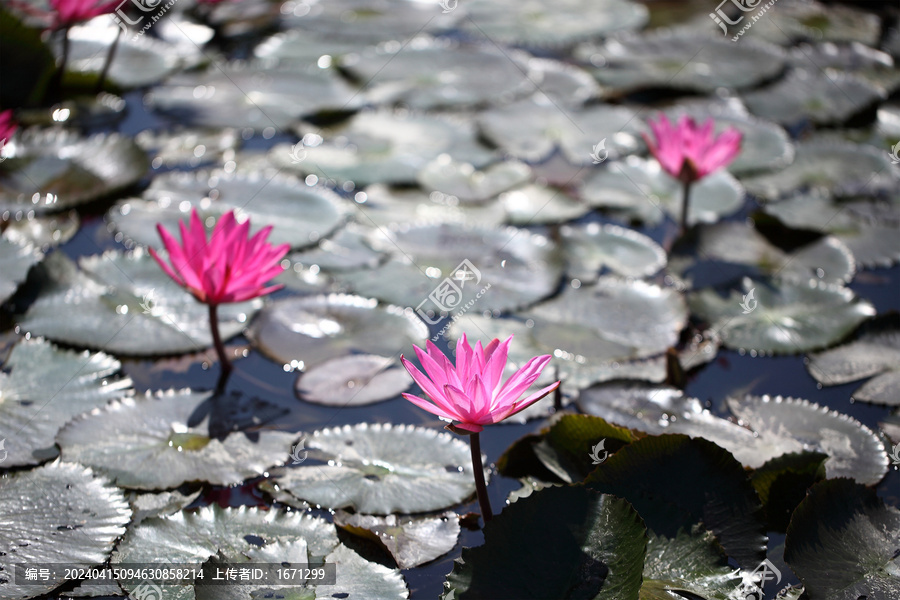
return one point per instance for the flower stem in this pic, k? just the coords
(55, 88)
(217, 339)
(106, 64)
(480, 487)
(685, 198)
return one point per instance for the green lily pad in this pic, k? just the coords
(353, 380)
(301, 49)
(300, 215)
(346, 250)
(873, 239)
(812, 20)
(468, 185)
(535, 204)
(533, 23)
(382, 206)
(381, 147)
(42, 388)
(53, 169)
(63, 514)
(188, 147)
(782, 316)
(432, 74)
(866, 63)
(533, 128)
(15, 262)
(367, 21)
(158, 446)
(681, 60)
(832, 168)
(412, 541)
(383, 469)
(42, 231)
(823, 97)
(782, 484)
(163, 504)
(125, 304)
(598, 546)
(593, 247)
(875, 352)
(638, 188)
(309, 331)
(842, 543)
(431, 272)
(661, 478)
(251, 95)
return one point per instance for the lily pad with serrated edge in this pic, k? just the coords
(875, 352)
(639, 188)
(832, 168)
(681, 60)
(785, 316)
(531, 129)
(42, 388)
(253, 95)
(63, 514)
(384, 206)
(412, 541)
(433, 74)
(319, 328)
(853, 449)
(823, 97)
(125, 304)
(347, 249)
(48, 170)
(300, 215)
(163, 504)
(842, 543)
(593, 247)
(383, 469)
(468, 185)
(598, 546)
(381, 146)
(353, 380)
(15, 262)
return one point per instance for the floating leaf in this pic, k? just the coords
(346, 250)
(661, 478)
(382, 469)
(784, 316)
(598, 545)
(769, 427)
(782, 484)
(432, 74)
(300, 215)
(875, 352)
(44, 232)
(42, 388)
(367, 21)
(640, 189)
(125, 304)
(821, 96)
(251, 95)
(593, 247)
(842, 543)
(301, 49)
(188, 147)
(164, 504)
(840, 169)
(537, 204)
(63, 514)
(682, 60)
(534, 23)
(15, 262)
(157, 444)
(53, 169)
(812, 20)
(384, 206)
(315, 329)
(382, 147)
(412, 541)
(533, 128)
(871, 65)
(442, 268)
(353, 380)
(463, 182)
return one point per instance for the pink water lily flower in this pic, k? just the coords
(228, 267)
(7, 127)
(472, 393)
(689, 151)
(71, 12)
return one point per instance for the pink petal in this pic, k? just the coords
(520, 406)
(426, 405)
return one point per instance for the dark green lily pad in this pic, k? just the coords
(158, 446)
(300, 215)
(412, 541)
(783, 316)
(639, 188)
(42, 388)
(63, 513)
(782, 484)
(842, 543)
(125, 304)
(382, 469)
(304, 332)
(53, 169)
(598, 546)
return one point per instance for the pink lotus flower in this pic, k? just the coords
(71, 12)
(690, 152)
(227, 268)
(472, 393)
(7, 127)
